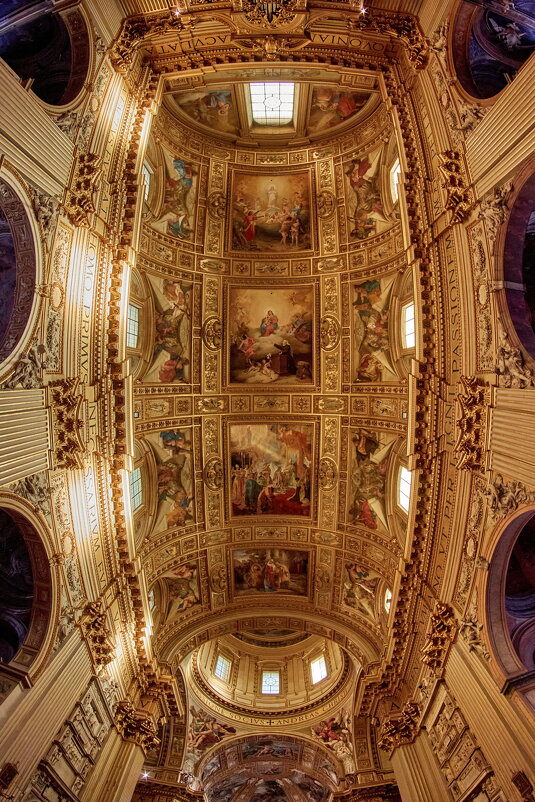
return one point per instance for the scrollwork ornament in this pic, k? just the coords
(327, 473)
(329, 332)
(212, 333)
(217, 205)
(218, 578)
(326, 204)
(213, 474)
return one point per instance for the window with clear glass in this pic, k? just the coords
(271, 682)
(146, 172)
(408, 326)
(132, 326)
(395, 177)
(318, 669)
(272, 104)
(136, 491)
(405, 479)
(222, 668)
(388, 599)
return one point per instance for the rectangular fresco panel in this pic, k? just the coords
(173, 451)
(269, 747)
(365, 207)
(331, 106)
(271, 212)
(176, 216)
(271, 335)
(172, 331)
(270, 468)
(371, 324)
(270, 571)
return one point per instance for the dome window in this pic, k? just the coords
(318, 669)
(271, 682)
(222, 668)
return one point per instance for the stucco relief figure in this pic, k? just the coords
(335, 733)
(173, 452)
(366, 212)
(270, 469)
(371, 335)
(271, 335)
(271, 214)
(176, 216)
(172, 332)
(369, 463)
(270, 571)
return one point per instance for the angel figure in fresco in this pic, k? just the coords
(175, 200)
(368, 204)
(360, 589)
(173, 479)
(183, 590)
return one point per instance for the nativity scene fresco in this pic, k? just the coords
(331, 106)
(365, 208)
(271, 335)
(172, 449)
(371, 313)
(176, 216)
(369, 465)
(215, 108)
(269, 571)
(271, 212)
(172, 331)
(270, 469)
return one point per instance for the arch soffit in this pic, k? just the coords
(20, 188)
(33, 656)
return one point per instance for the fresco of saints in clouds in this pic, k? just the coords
(176, 215)
(364, 203)
(271, 335)
(269, 791)
(368, 474)
(270, 571)
(172, 331)
(270, 469)
(371, 310)
(177, 590)
(360, 589)
(330, 107)
(271, 212)
(269, 747)
(203, 732)
(173, 452)
(214, 109)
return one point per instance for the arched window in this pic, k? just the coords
(520, 594)
(489, 45)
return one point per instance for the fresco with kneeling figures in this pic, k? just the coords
(271, 335)
(270, 571)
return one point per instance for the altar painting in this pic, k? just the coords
(270, 570)
(173, 450)
(176, 216)
(371, 330)
(365, 209)
(270, 469)
(172, 331)
(370, 451)
(271, 212)
(331, 106)
(214, 108)
(271, 335)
